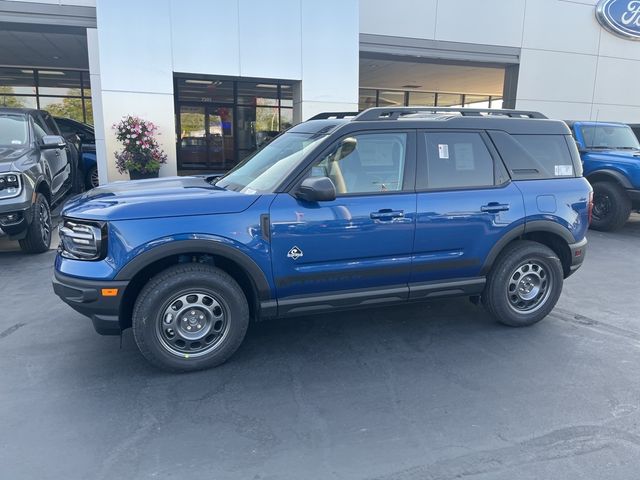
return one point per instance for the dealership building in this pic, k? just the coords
(222, 77)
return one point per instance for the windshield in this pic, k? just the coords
(614, 137)
(13, 130)
(268, 167)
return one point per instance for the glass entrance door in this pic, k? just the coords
(206, 140)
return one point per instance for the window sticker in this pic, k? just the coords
(443, 151)
(563, 170)
(464, 156)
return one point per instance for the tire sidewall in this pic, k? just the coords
(620, 207)
(33, 242)
(148, 312)
(499, 301)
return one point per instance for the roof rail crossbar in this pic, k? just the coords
(393, 113)
(333, 115)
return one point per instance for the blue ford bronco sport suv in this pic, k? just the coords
(611, 159)
(393, 206)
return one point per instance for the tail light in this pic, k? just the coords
(590, 207)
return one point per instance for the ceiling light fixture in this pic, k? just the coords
(199, 82)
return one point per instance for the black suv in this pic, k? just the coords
(38, 167)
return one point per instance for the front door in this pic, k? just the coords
(355, 249)
(206, 140)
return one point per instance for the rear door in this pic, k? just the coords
(465, 204)
(355, 249)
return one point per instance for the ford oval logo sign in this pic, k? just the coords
(621, 17)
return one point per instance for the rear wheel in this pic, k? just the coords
(524, 284)
(611, 206)
(38, 237)
(190, 317)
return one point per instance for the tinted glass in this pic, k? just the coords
(456, 160)
(366, 99)
(366, 163)
(422, 99)
(39, 127)
(259, 94)
(534, 156)
(59, 83)
(388, 98)
(197, 90)
(13, 130)
(609, 136)
(67, 107)
(17, 81)
(449, 100)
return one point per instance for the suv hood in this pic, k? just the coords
(8, 155)
(163, 197)
(617, 156)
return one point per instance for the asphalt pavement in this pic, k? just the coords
(426, 391)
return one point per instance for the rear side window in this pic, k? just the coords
(530, 157)
(456, 160)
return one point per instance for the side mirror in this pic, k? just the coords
(317, 189)
(50, 142)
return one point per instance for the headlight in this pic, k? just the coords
(10, 185)
(81, 240)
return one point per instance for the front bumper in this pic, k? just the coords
(578, 251)
(22, 208)
(86, 297)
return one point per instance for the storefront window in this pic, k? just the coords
(239, 116)
(63, 93)
(449, 100)
(367, 98)
(206, 91)
(476, 101)
(422, 99)
(389, 98)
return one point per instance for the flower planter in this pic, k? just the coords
(137, 175)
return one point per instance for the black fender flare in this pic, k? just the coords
(529, 227)
(211, 247)
(611, 174)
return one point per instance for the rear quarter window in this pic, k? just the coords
(530, 157)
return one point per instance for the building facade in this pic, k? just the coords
(222, 77)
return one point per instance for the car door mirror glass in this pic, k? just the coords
(52, 141)
(317, 189)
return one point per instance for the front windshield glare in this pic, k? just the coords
(268, 167)
(13, 130)
(607, 136)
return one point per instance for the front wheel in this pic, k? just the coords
(190, 317)
(611, 207)
(38, 239)
(524, 284)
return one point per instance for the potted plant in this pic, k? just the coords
(141, 156)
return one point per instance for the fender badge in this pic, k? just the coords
(295, 253)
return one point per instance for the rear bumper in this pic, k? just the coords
(578, 251)
(86, 297)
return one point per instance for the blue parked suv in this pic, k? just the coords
(611, 158)
(393, 206)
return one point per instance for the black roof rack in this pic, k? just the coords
(393, 113)
(334, 115)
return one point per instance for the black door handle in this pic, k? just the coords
(387, 214)
(495, 207)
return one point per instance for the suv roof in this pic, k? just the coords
(510, 121)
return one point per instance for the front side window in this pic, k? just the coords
(365, 163)
(456, 160)
(14, 130)
(270, 166)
